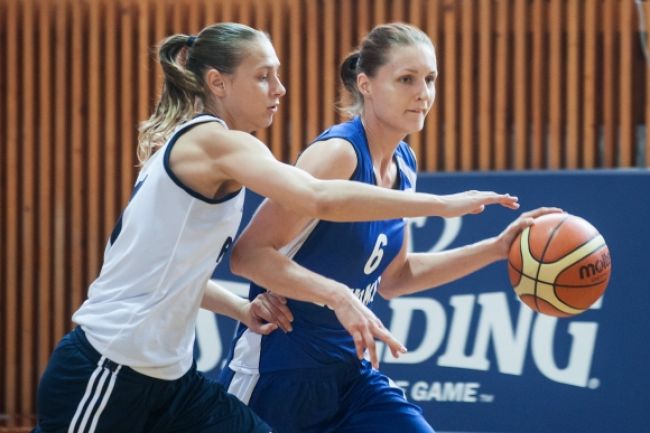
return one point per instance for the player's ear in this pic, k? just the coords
(363, 84)
(214, 79)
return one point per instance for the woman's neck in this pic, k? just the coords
(220, 113)
(382, 141)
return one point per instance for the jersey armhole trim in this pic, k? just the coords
(178, 182)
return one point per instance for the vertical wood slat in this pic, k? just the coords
(502, 85)
(467, 88)
(210, 12)
(521, 84)
(625, 156)
(363, 19)
(589, 91)
(379, 11)
(330, 65)
(3, 204)
(27, 191)
(538, 135)
(259, 10)
(346, 42)
(195, 11)
(93, 168)
(485, 87)
(397, 10)
(415, 15)
(10, 235)
(76, 265)
(451, 86)
(177, 9)
(572, 91)
(608, 86)
(555, 108)
(260, 22)
(278, 141)
(432, 127)
(44, 194)
(227, 10)
(312, 75)
(61, 245)
(144, 55)
(295, 86)
(245, 15)
(127, 91)
(109, 150)
(160, 32)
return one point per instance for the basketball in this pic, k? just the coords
(560, 265)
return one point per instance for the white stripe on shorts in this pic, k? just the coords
(102, 405)
(94, 396)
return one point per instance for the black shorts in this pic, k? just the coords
(82, 391)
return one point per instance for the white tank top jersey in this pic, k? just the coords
(141, 310)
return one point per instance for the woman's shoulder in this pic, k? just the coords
(333, 158)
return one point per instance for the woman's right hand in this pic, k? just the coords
(365, 326)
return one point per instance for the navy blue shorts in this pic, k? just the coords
(341, 399)
(83, 392)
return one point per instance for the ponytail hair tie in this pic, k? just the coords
(190, 41)
(354, 62)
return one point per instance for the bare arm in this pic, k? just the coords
(221, 301)
(415, 272)
(241, 157)
(258, 315)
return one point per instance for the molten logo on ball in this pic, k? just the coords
(560, 265)
(592, 269)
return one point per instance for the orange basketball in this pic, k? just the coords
(560, 265)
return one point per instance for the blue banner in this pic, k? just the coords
(481, 361)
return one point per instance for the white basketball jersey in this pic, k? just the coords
(141, 310)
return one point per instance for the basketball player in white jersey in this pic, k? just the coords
(318, 371)
(128, 366)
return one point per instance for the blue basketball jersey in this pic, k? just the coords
(355, 254)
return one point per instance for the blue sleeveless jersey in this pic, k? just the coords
(355, 254)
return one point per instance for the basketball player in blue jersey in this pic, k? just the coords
(314, 379)
(128, 366)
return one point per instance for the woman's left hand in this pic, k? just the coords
(508, 235)
(266, 313)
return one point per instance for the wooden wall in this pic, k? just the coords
(524, 84)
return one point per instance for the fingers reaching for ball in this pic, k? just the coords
(526, 219)
(536, 213)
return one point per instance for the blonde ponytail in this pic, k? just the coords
(178, 101)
